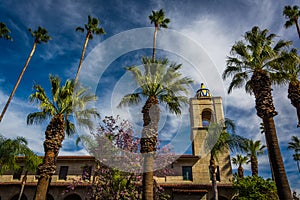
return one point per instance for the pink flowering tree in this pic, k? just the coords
(115, 146)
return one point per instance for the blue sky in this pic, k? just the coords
(199, 36)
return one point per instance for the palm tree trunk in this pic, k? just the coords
(298, 165)
(261, 86)
(294, 96)
(254, 166)
(24, 179)
(54, 136)
(282, 184)
(18, 81)
(240, 171)
(213, 172)
(154, 43)
(82, 55)
(298, 29)
(148, 144)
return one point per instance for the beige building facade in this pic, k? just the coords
(191, 178)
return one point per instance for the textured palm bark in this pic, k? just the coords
(261, 86)
(254, 165)
(151, 115)
(282, 184)
(294, 96)
(213, 172)
(240, 171)
(54, 137)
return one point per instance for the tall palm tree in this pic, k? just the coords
(288, 71)
(224, 141)
(64, 102)
(239, 160)
(292, 14)
(159, 20)
(92, 27)
(254, 57)
(40, 35)
(158, 83)
(253, 149)
(4, 32)
(295, 145)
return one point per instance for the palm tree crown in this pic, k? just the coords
(4, 32)
(92, 27)
(253, 54)
(240, 160)
(253, 149)
(10, 149)
(40, 35)
(292, 14)
(64, 101)
(160, 81)
(159, 20)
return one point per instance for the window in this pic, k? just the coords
(17, 174)
(87, 172)
(206, 117)
(63, 172)
(217, 175)
(187, 173)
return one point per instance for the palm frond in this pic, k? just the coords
(80, 29)
(69, 128)
(37, 117)
(130, 99)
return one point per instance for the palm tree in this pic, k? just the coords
(92, 27)
(159, 20)
(31, 162)
(240, 160)
(40, 35)
(224, 141)
(253, 149)
(288, 71)
(10, 149)
(254, 57)
(159, 83)
(292, 14)
(295, 145)
(64, 102)
(4, 32)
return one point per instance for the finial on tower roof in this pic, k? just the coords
(203, 92)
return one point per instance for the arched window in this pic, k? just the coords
(73, 197)
(49, 197)
(17, 196)
(206, 117)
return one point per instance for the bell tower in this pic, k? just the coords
(204, 110)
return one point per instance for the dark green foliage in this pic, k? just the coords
(255, 187)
